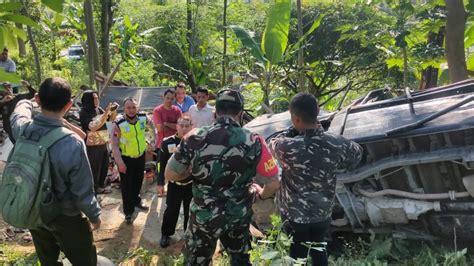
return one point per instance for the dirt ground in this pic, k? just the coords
(115, 238)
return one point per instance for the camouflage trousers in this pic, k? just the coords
(201, 243)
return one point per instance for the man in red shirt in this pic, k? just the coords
(165, 117)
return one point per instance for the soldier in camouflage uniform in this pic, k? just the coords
(309, 158)
(223, 159)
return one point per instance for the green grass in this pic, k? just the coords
(378, 251)
(10, 255)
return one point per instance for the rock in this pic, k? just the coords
(101, 261)
(154, 260)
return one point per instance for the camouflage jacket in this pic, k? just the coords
(223, 159)
(309, 161)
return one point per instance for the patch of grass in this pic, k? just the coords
(384, 250)
(142, 256)
(10, 255)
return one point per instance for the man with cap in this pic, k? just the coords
(223, 160)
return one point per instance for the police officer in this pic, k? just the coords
(309, 158)
(128, 149)
(223, 159)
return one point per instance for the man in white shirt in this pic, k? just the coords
(202, 114)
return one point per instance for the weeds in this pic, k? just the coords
(12, 256)
(273, 249)
(384, 250)
(140, 256)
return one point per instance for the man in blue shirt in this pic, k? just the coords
(182, 100)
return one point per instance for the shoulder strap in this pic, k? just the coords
(53, 136)
(23, 128)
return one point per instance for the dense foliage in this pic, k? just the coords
(372, 44)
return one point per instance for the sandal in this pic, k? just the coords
(9, 232)
(27, 237)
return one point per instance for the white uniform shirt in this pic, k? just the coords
(201, 117)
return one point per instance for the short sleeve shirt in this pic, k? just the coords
(161, 115)
(187, 103)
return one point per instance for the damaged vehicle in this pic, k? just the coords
(416, 179)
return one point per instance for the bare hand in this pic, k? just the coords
(149, 147)
(107, 109)
(8, 98)
(122, 167)
(256, 188)
(96, 225)
(160, 190)
(25, 83)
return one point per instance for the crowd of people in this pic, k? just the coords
(209, 163)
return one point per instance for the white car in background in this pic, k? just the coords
(75, 52)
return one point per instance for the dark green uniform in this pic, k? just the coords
(223, 159)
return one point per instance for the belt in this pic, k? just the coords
(134, 157)
(181, 183)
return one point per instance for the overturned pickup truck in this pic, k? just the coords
(416, 179)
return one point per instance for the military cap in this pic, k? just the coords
(230, 96)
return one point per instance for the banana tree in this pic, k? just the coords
(129, 43)
(273, 49)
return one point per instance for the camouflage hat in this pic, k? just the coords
(230, 96)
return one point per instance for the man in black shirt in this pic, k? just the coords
(9, 101)
(177, 191)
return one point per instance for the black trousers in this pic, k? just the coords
(313, 232)
(99, 161)
(131, 183)
(70, 234)
(175, 195)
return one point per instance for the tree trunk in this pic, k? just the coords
(455, 25)
(91, 41)
(21, 43)
(429, 76)
(35, 53)
(106, 20)
(34, 48)
(405, 66)
(224, 52)
(300, 50)
(110, 77)
(191, 81)
(266, 88)
(189, 27)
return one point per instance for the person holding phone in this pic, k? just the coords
(93, 119)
